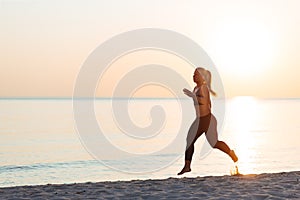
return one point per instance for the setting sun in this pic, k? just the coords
(244, 47)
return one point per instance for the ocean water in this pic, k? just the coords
(40, 144)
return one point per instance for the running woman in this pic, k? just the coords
(205, 121)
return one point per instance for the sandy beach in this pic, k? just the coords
(284, 185)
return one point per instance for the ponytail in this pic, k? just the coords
(208, 82)
(207, 77)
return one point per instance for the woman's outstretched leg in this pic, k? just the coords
(225, 148)
(212, 138)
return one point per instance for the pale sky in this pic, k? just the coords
(254, 44)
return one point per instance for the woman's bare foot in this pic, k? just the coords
(184, 170)
(233, 156)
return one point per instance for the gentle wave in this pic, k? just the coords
(10, 168)
(73, 164)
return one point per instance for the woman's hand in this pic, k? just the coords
(188, 93)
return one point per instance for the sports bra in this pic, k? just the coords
(198, 94)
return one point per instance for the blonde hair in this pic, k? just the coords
(207, 77)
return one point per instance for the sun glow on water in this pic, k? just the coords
(245, 110)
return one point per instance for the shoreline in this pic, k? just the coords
(252, 186)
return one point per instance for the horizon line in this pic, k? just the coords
(163, 98)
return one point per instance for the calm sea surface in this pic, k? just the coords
(39, 143)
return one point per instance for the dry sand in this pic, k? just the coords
(285, 185)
